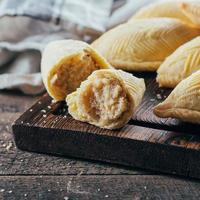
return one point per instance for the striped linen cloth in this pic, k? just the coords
(26, 26)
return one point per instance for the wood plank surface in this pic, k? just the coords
(47, 128)
(16, 162)
(25, 175)
(153, 96)
(134, 187)
(167, 147)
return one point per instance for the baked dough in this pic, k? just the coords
(180, 64)
(184, 101)
(66, 63)
(143, 44)
(191, 9)
(107, 99)
(169, 8)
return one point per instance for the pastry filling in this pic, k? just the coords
(68, 76)
(104, 99)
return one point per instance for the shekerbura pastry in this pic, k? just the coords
(191, 9)
(108, 98)
(66, 63)
(169, 8)
(184, 101)
(180, 64)
(143, 44)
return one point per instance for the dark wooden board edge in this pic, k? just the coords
(167, 124)
(184, 127)
(157, 157)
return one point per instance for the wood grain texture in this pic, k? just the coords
(98, 187)
(39, 176)
(46, 127)
(16, 162)
(153, 96)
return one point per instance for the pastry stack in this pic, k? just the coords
(162, 37)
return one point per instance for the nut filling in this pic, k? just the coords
(71, 73)
(104, 100)
(108, 98)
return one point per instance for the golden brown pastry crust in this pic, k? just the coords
(184, 101)
(143, 44)
(191, 9)
(180, 64)
(107, 99)
(169, 8)
(66, 63)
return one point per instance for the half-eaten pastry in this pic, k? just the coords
(66, 63)
(107, 99)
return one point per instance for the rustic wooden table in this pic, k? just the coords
(26, 175)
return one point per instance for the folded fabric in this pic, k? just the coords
(123, 13)
(28, 25)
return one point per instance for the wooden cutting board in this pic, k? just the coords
(148, 142)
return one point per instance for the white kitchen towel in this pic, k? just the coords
(28, 25)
